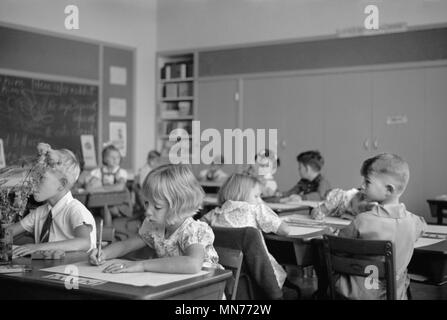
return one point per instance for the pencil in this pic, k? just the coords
(100, 239)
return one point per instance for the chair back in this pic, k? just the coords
(364, 258)
(232, 260)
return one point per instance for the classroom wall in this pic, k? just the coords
(130, 23)
(184, 24)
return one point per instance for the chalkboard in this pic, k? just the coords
(34, 110)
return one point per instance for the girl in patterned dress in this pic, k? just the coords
(241, 206)
(182, 245)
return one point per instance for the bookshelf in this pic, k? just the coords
(176, 92)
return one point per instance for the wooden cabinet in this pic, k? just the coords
(217, 108)
(347, 127)
(293, 106)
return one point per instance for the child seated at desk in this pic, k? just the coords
(266, 164)
(214, 172)
(182, 244)
(385, 179)
(345, 204)
(241, 206)
(312, 185)
(112, 176)
(153, 161)
(62, 223)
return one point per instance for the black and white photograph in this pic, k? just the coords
(254, 154)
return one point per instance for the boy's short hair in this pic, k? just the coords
(312, 158)
(65, 165)
(237, 188)
(107, 149)
(176, 186)
(390, 165)
(153, 154)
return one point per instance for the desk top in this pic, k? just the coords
(107, 290)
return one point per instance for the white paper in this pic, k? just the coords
(88, 151)
(2, 155)
(117, 107)
(306, 219)
(422, 242)
(139, 279)
(302, 231)
(436, 229)
(118, 75)
(118, 136)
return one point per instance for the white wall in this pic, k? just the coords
(131, 23)
(184, 24)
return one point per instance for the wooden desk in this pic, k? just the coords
(31, 285)
(438, 209)
(431, 261)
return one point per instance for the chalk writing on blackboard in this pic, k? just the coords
(34, 110)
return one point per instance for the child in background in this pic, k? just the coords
(182, 244)
(241, 206)
(214, 172)
(114, 178)
(312, 186)
(385, 179)
(266, 165)
(153, 161)
(62, 223)
(345, 204)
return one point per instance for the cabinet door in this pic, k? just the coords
(293, 105)
(347, 127)
(217, 109)
(398, 126)
(434, 143)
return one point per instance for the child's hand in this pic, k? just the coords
(94, 259)
(26, 249)
(131, 266)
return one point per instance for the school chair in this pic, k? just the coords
(232, 260)
(257, 279)
(354, 257)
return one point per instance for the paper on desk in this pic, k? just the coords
(139, 279)
(422, 242)
(302, 231)
(306, 219)
(286, 206)
(436, 229)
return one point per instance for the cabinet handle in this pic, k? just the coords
(376, 144)
(366, 144)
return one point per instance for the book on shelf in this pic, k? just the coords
(169, 113)
(184, 108)
(185, 89)
(170, 90)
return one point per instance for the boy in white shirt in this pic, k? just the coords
(63, 223)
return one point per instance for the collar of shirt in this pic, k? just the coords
(393, 211)
(60, 205)
(107, 170)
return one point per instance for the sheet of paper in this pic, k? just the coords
(118, 136)
(139, 279)
(284, 206)
(88, 151)
(117, 107)
(306, 219)
(422, 242)
(436, 229)
(118, 75)
(302, 231)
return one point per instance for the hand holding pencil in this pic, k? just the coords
(97, 256)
